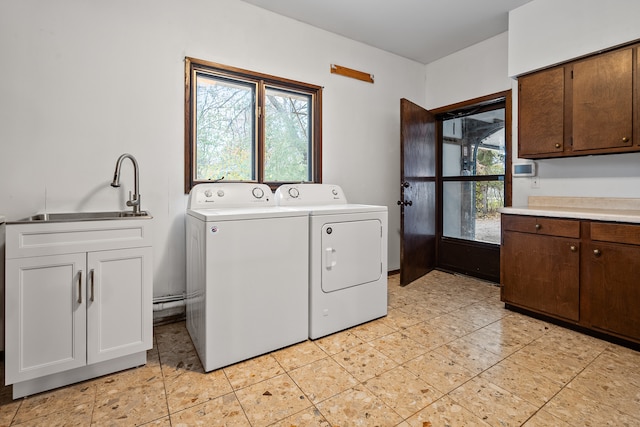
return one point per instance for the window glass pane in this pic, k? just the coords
(225, 129)
(470, 210)
(474, 144)
(287, 136)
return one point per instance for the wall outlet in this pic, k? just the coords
(535, 183)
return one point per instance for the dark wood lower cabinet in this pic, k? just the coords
(611, 282)
(590, 279)
(542, 273)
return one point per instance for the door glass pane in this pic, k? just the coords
(225, 129)
(474, 144)
(470, 210)
(287, 136)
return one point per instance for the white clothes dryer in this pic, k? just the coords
(347, 257)
(247, 273)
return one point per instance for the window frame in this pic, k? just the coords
(194, 66)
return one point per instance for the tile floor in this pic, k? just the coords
(447, 354)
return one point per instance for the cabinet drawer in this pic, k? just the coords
(542, 225)
(616, 233)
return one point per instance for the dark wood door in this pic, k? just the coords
(611, 282)
(418, 195)
(541, 112)
(602, 101)
(541, 273)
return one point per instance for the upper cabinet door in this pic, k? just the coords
(603, 101)
(541, 113)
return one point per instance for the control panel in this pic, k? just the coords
(218, 195)
(309, 194)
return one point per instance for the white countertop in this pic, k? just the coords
(592, 208)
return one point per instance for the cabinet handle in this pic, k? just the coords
(538, 226)
(80, 287)
(597, 252)
(557, 145)
(625, 139)
(573, 248)
(91, 276)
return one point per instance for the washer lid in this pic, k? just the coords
(230, 214)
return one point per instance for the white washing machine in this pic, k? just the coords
(347, 257)
(247, 273)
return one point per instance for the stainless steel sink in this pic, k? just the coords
(84, 216)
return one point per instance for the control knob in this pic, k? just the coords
(207, 193)
(293, 192)
(257, 192)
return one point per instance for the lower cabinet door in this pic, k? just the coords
(119, 303)
(541, 273)
(613, 288)
(45, 316)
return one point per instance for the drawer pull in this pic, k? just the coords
(92, 280)
(573, 248)
(597, 252)
(557, 145)
(80, 287)
(625, 139)
(538, 226)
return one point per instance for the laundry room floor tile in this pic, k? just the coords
(224, 409)
(272, 400)
(252, 371)
(359, 404)
(299, 355)
(338, 342)
(364, 362)
(323, 379)
(448, 353)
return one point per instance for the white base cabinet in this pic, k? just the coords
(73, 316)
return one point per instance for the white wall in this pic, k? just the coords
(546, 32)
(473, 72)
(82, 82)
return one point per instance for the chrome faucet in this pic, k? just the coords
(134, 200)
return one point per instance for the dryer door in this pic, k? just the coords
(351, 254)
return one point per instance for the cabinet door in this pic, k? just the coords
(611, 283)
(541, 113)
(45, 316)
(119, 298)
(541, 273)
(602, 101)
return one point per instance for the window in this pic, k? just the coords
(473, 173)
(246, 126)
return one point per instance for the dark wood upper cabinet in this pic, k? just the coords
(603, 101)
(541, 101)
(581, 108)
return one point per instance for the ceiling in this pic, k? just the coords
(422, 30)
